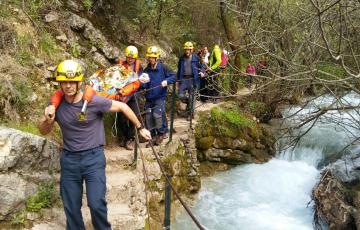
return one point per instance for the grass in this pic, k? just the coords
(231, 116)
(28, 127)
(87, 4)
(19, 218)
(23, 49)
(43, 199)
(47, 45)
(75, 50)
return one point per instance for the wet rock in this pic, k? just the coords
(331, 201)
(347, 168)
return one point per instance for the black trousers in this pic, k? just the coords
(126, 129)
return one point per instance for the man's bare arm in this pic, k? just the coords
(46, 123)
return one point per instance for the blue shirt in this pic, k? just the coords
(157, 75)
(196, 68)
(83, 134)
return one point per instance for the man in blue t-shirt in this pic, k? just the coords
(82, 157)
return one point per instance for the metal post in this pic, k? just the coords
(192, 102)
(136, 146)
(167, 205)
(172, 115)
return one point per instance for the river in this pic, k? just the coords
(275, 195)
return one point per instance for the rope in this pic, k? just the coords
(146, 181)
(168, 180)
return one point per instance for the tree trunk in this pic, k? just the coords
(158, 23)
(233, 39)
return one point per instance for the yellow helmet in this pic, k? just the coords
(69, 70)
(188, 46)
(153, 51)
(131, 51)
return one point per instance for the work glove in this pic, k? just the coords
(144, 78)
(164, 83)
(202, 74)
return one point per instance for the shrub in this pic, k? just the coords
(43, 199)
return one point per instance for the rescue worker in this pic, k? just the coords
(188, 72)
(124, 126)
(211, 82)
(160, 77)
(82, 158)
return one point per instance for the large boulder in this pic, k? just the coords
(24, 152)
(26, 160)
(225, 134)
(337, 195)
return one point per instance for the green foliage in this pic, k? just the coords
(75, 50)
(231, 116)
(43, 199)
(33, 7)
(256, 108)
(14, 94)
(47, 44)
(334, 71)
(19, 218)
(87, 4)
(23, 49)
(29, 127)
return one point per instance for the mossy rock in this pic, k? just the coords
(226, 121)
(204, 143)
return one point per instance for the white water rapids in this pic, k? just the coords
(275, 195)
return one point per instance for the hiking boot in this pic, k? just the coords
(129, 145)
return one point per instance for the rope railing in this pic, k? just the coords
(162, 169)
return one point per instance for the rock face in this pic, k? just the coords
(25, 161)
(226, 135)
(95, 37)
(337, 196)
